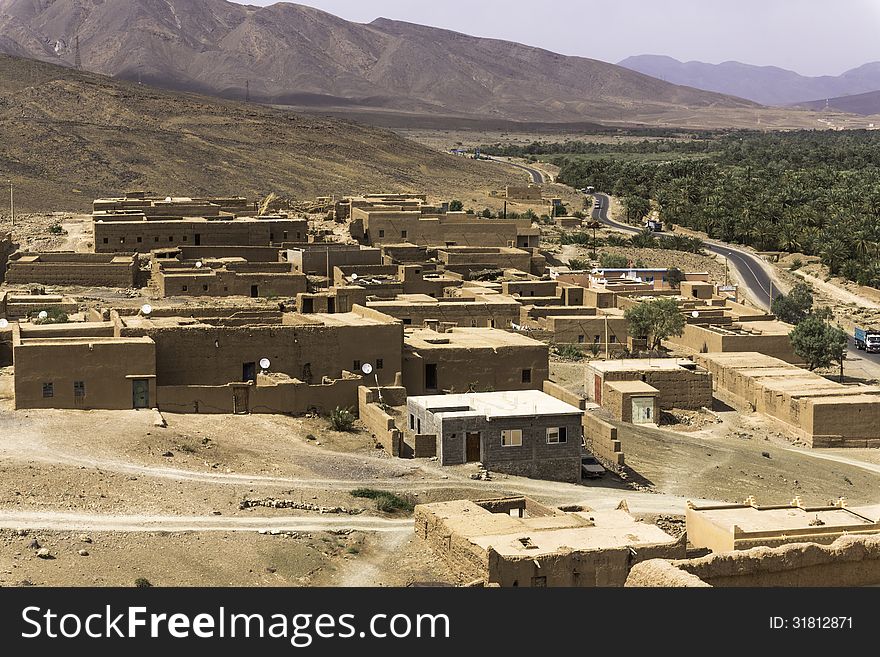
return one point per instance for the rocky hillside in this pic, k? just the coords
(69, 136)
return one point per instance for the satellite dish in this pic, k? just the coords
(198, 264)
(366, 368)
(354, 277)
(43, 314)
(168, 199)
(3, 323)
(146, 309)
(264, 363)
(695, 314)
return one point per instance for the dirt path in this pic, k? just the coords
(837, 292)
(372, 569)
(59, 520)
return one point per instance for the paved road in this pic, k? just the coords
(752, 272)
(537, 177)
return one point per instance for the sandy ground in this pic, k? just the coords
(731, 455)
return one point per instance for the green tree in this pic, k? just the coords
(635, 207)
(657, 320)
(795, 306)
(675, 276)
(819, 343)
(456, 206)
(487, 213)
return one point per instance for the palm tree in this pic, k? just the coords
(789, 238)
(834, 253)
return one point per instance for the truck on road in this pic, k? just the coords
(867, 340)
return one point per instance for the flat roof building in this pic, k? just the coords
(460, 359)
(135, 231)
(679, 383)
(73, 269)
(525, 432)
(519, 542)
(728, 527)
(821, 412)
(495, 311)
(319, 258)
(224, 276)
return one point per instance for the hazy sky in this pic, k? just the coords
(812, 37)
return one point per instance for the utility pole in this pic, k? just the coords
(77, 61)
(606, 336)
(247, 91)
(11, 202)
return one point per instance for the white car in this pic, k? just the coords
(591, 468)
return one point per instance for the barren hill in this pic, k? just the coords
(295, 55)
(68, 136)
(866, 104)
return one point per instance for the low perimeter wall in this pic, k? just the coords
(849, 561)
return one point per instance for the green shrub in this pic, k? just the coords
(579, 263)
(342, 419)
(386, 501)
(56, 229)
(613, 261)
(569, 352)
(142, 583)
(53, 316)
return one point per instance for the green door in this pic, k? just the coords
(140, 393)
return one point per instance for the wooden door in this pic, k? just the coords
(240, 400)
(140, 393)
(472, 446)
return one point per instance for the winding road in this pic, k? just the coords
(752, 271)
(538, 177)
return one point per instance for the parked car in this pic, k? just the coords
(591, 468)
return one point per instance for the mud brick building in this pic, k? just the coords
(376, 226)
(229, 275)
(319, 258)
(823, 413)
(495, 311)
(85, 372)
(680, 383)
(139, 224)
(68, 268)
(452, 359)
(849, 561)
(519, 542)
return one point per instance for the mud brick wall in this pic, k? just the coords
(601, 438)
(467, 560)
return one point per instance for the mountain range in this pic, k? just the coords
(293, 55)
(768, 85)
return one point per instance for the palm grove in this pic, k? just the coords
(811, 192)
